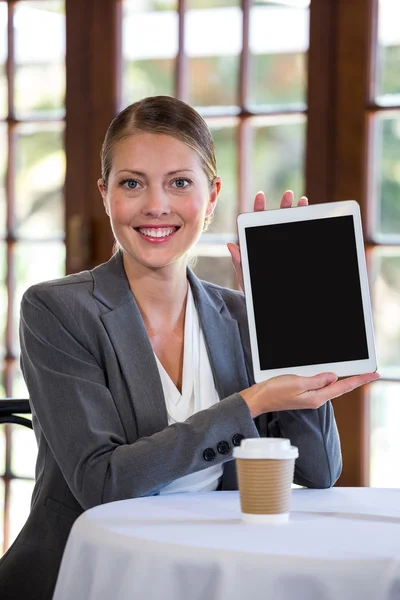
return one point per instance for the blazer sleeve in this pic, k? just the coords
(315, 434)
(80, 421)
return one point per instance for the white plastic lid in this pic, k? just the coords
(265, 448)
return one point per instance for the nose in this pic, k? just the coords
(156, 202)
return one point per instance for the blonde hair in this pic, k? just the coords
(162, 115)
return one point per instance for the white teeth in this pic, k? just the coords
(158, 233)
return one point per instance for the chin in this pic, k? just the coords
(154, 262)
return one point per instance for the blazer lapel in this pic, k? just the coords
(125, 327)
(223, 340)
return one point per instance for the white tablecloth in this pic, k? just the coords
(341, 543)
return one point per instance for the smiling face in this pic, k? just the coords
(157, 197)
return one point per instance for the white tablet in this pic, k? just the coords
(306, 288)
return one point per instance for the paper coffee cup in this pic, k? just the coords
(265, 468)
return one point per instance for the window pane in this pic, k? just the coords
(24, 451)
(213, 58)
(388, 58)
(40, 58)
(35, 262)
(3, 303)
(3, 56)
(30, 268)
(21, 492)
(148, 60)
(217, 269)
(279, 37)
(19, 389)
(40, 180)
(2, 451)
(385, 439)
(1, 515)
(277, 159)
(224, 219)
(387, 185)
(3, 162)
(386, 310)
(208, 3)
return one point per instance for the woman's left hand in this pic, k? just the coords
(260, 204)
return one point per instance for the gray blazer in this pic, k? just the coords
(100, 418)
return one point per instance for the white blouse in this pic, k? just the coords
(198, 393)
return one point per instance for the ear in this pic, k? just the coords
(102, 190)
(217, 183)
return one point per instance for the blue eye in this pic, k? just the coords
(181, 183)
(131, 184)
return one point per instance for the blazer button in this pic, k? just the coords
(237, 438)
(223, 447)
(209, 454)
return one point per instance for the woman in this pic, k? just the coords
(139, 374)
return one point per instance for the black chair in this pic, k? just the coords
(11, 408)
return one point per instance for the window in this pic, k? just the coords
(32, 90)
(298, 94)
(250, 84)
(385, 251)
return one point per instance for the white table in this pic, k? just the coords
(341, 543)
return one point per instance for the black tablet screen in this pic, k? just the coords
(306, 292)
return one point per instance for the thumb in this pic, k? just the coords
(235, 253)
(319, 381)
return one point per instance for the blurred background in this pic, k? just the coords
(298, 94)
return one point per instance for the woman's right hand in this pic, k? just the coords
(292, 392)
(260, 203)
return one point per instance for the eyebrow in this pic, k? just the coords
(141, 174)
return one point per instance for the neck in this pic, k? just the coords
(159, 293)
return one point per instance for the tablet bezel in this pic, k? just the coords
(306, 213)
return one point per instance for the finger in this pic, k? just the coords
(287, 199)
(260, 201)
(351, 383)
(303, 201)
(316, 382)
(234, 251)
(344, 386)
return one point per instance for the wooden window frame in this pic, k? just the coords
(88, 232)
(336, 146)
(339, 86)
(11, 239)
(340, 109)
